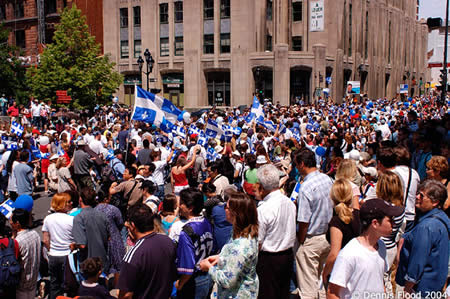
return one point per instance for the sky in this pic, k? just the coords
(432, 8)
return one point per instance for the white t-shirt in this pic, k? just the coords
(96, 146)
(158, 174)
(403, 172)
(59, 226)
(359, 270)
(36, 109)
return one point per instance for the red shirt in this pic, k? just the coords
(5, 242)
(13, 111)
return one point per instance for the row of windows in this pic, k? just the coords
(297, 11)
(208, 43)
(125, 49)
(136, 17)
(19, 12)
(164, 46)
(208, 11)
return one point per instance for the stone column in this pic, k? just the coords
(281, 74)
(319, 69)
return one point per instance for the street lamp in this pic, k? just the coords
(149, 60)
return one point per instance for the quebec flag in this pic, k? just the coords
(16, 128)
(6, 208)
(256, 111)
(145, 109)
(213, 130)
(170, 110)
(294, 194)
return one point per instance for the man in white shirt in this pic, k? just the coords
(315, 210)
(276, 235)
(361, 264)
(35, 112)
(96, 145)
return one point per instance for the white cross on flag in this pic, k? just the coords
(16, 128)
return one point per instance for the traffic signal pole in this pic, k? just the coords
(444, 86)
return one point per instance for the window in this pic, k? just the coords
(124, 50)
(297, 43)
(20, 39)
(123, 17)
(137, 48)
(208, 43)
(208, 9)
(164, 46)
(389, 41)
(350, 29)
(50, 6)
(224, 9)
(269, 43)
(178, 12)
(2, 12)
(18, 10)
(269, 10)
(179, 46)
(137, 16)
(297, 11)
(366, 42)
(164, 13)
(225, 43)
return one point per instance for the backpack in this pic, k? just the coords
(9, 266)
(108, 174)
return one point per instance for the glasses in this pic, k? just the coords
(421, 195)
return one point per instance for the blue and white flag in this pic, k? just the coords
(228, 132)
(170, 110)
(213, 130)
(212, 155)
(294, 194)
(202, 141)
(180, 131)
(256, 112)
(145, 109)
(194, 130)
(6, 208)
(16, 128)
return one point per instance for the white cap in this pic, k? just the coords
(236, 153)
(261, 159)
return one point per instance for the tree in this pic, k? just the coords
(73, 62)
(12, 73)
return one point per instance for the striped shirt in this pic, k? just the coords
(390, 241)
(314, 203)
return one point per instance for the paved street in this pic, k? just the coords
(40, 210)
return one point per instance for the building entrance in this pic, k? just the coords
(300, 85)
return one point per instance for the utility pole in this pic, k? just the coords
(444, 87)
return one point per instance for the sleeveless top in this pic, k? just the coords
(166, 225)
(180, 179)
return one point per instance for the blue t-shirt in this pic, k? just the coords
(190, 253)
(222, 228)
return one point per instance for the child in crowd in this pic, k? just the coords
(92, 269)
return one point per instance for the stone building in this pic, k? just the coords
(222, 51)
(32, 22)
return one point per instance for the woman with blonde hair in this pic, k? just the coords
(65, 181)
(347, 170)
(437, 169)
(57, 237)
(345, 225)
(389, 187)
(234, 269)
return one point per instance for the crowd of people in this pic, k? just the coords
(314, 200)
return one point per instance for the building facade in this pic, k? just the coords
(436, 46)
(32, 23)
(220, 52)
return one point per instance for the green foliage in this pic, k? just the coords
(73, 62)
(12, 73)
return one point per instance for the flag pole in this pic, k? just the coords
(130, 123)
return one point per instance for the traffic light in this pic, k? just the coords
(443, 79)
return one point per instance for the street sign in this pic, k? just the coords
(153, 79)
(62, 97)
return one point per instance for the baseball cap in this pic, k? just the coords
(25, 202)
(378, 208)
(261, 159)
(236, 153)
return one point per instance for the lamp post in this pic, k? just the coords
(149, 60)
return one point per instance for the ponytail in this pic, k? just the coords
(344, 212)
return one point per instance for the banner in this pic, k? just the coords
(317, 16)
(353, 87)
(403, 88)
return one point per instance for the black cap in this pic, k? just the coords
(378, 208)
